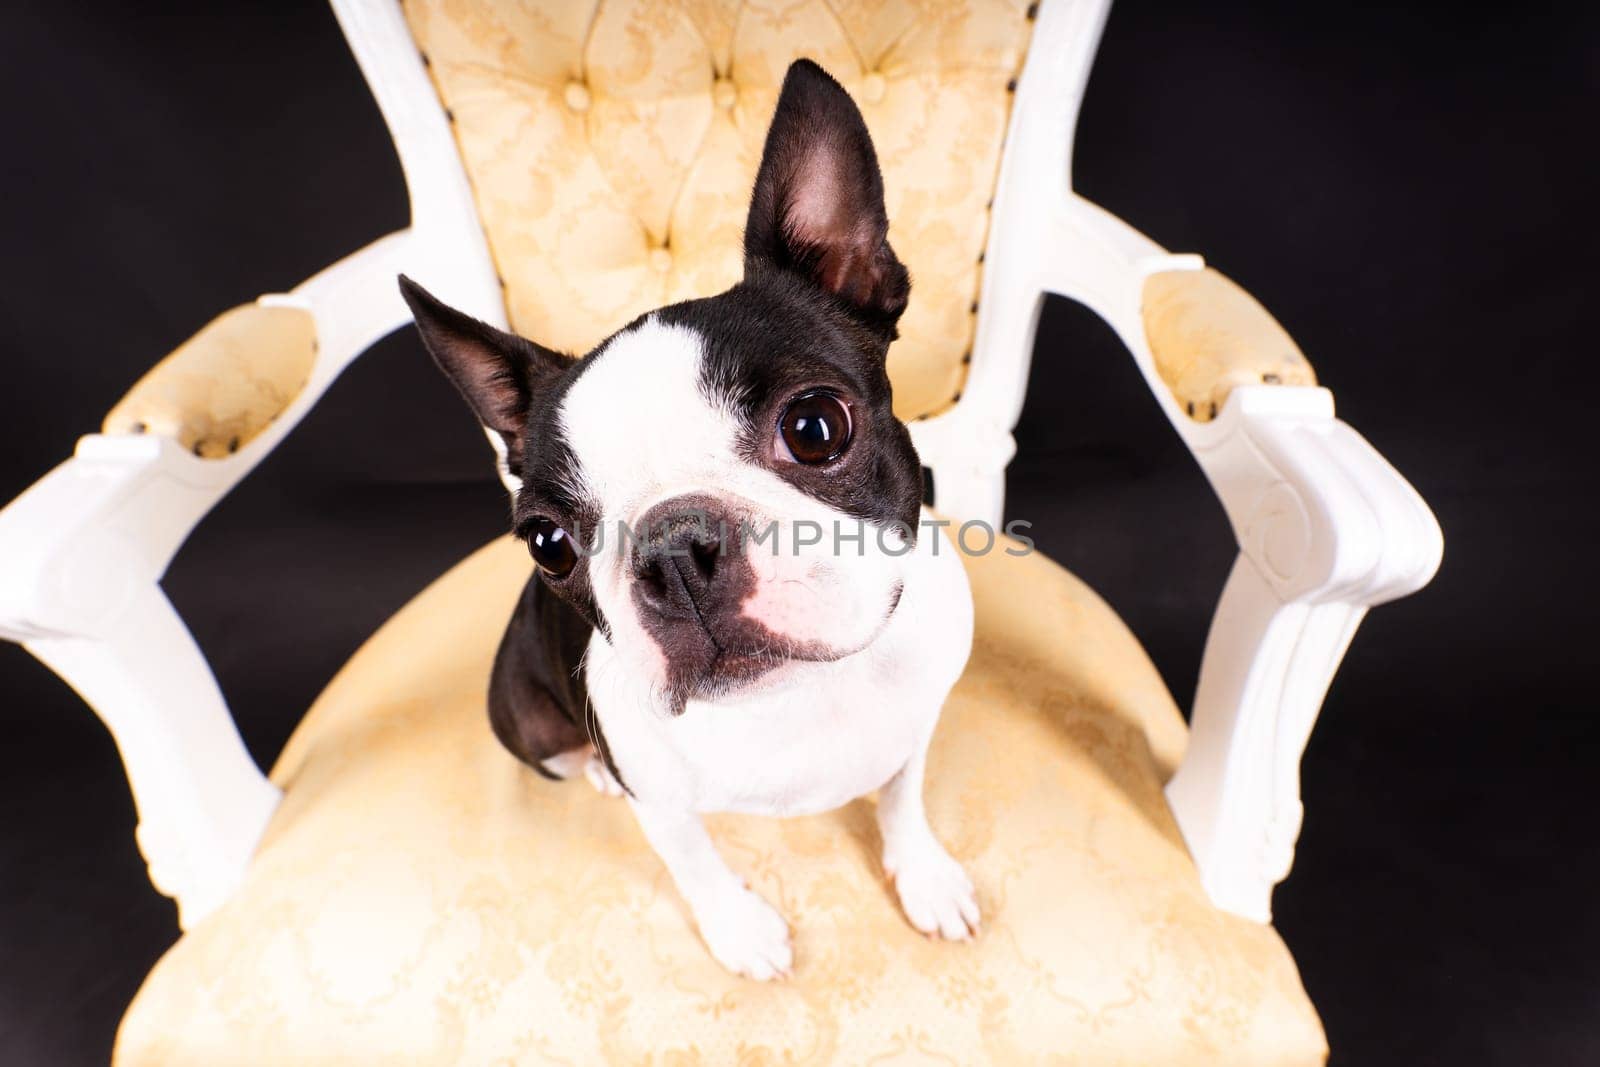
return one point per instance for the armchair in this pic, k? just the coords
(536, 147)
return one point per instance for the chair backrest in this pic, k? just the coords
(611, 146)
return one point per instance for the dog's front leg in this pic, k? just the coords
(743, 932)
(935, 893)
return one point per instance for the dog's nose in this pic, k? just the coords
(679, 564)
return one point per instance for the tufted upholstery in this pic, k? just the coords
(612, 145)
(422, 898)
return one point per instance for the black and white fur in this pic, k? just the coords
(692, 674)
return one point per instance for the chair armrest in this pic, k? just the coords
(186, 433)
(1326, 529)
(83, 550)
(224, 385)
(1207, 335)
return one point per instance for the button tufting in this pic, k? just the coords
(689, 176)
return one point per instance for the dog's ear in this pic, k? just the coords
(817, 208)
(495, 371)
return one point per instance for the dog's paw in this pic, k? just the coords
(568, 764)
(935, 893)
(600, 776)
(747, 936)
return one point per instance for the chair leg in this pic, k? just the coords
(202, 802)
(1236, 796)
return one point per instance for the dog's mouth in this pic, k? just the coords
(730, 670)
(712, 666)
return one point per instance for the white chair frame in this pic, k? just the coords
(1325, 527)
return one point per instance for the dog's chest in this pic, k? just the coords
(805, 750)
(796, 750)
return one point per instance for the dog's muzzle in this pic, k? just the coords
(692, 575)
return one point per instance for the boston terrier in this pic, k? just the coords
(737, 605)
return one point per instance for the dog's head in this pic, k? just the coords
(721, 487)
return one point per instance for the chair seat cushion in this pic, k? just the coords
(420, 897)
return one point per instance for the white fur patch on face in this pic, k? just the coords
(644, 431)
(639, 424)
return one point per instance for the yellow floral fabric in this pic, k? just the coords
(226, 384)
(612, 145)
(422, 898)
(1208, 335)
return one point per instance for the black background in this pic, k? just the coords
(1411, 192)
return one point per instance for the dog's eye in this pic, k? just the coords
(552, 548)
(815, 427)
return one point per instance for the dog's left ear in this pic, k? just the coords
(496, 372)
(817, 209)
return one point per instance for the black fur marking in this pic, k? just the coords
(538, 702)
(770, 340)
(538, 699)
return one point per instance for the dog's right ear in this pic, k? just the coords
(495, 371)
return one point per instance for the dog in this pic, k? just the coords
(737, 605)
